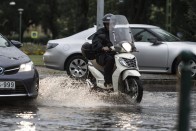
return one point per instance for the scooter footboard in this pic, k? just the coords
(130, 73)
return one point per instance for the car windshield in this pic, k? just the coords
(164, 35)
(3, 42)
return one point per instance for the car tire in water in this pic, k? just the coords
(77, 66)
(133, 88)
(179, 64)
(36, 86)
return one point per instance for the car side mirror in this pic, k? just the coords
(154, 41)
(17, 43)
(179, 35)
(138, 38)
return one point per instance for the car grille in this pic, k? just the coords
(19, 89)
(130, 62)
(11, 70)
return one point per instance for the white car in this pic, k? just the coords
(159, 51)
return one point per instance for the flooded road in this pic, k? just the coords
(65, 104)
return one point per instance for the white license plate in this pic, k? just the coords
(7, 84)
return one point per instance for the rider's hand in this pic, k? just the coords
(106, 48)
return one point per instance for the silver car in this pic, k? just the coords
(159, 51)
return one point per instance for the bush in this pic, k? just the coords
(43, 40)
(33, 49)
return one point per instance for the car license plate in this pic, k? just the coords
(7, 85)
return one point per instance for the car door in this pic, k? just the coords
(151, 57)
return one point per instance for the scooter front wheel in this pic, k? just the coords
(133, 88)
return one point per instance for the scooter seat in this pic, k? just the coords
(97, 66)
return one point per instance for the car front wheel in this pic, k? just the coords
(77, 66)
(192, 65)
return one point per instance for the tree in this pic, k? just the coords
(64, 17)
(191, 15)
(49, 16)
(10, 16)
(134, 10)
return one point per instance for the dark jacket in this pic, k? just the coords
(101, 39)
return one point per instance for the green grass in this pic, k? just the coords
(37, 59)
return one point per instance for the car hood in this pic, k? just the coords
(11, 56)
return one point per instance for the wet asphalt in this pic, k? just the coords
(163, 82)
(151, 82)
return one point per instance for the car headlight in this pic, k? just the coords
(26, 67)
(127, 47)
(51, 45)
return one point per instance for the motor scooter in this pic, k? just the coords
(126, 76)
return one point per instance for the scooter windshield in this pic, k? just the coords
(119, 30)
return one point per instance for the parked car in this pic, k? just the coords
(159, 51)
(18, 75)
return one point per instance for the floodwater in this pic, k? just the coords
(64, 104)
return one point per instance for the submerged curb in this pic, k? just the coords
(163, 85)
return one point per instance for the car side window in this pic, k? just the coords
(141, 34)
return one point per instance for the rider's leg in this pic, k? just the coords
(108, 68)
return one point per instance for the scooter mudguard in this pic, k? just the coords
(125, 74)
(130, 73)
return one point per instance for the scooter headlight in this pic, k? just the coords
(26, 67)
(123, 62)
(127, 47)
(130, 63)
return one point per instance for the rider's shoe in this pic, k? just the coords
(109, 86)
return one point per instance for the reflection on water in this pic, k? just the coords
(17, 115)
(65, 104)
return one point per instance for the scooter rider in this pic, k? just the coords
(101, 43)
(105, 57)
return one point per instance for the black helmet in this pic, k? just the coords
(106, 18)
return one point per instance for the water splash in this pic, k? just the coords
(64, 91)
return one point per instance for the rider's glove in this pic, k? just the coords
(105, 48)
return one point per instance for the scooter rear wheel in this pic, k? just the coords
(133, 88)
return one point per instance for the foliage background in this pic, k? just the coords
(61, 18)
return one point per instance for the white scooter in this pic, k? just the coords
(125, 78)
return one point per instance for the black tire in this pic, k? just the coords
(77, 67)
(179, 64)
(36, 85)
(36, 89)
(133, 88)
